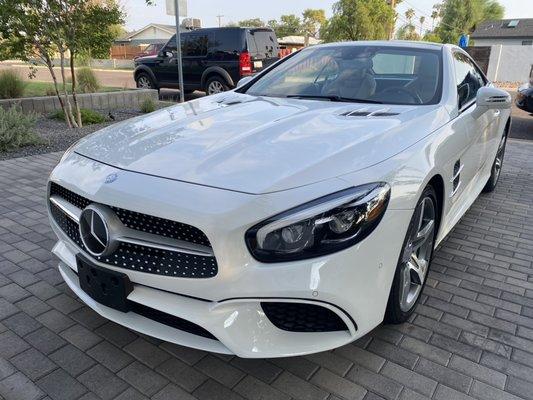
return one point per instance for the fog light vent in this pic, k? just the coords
(302, 317)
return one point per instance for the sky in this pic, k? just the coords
(139, 14)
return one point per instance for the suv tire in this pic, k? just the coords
(144, 81)
(216, 84)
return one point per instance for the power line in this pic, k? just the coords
(428, 15)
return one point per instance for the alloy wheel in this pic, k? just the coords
(417, 254)
(144, 83)
(215, 87)
(498, 162)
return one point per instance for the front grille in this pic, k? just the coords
(137, 257)
(302, 317)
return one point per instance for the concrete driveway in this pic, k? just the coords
(470, 338)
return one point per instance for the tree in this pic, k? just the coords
(461, 16)
(422, 19)
(288, 25)
(407, 32)
(410, 14)
(252, 23)
(359, 20)
(36, 30)
(313, 21)
(434, 16)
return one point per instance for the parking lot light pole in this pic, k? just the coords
(178, 51)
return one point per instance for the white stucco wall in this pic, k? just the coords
(152, 33)
(510, 63)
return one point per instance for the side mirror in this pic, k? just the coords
(164, 54)
(493, 98)
(244, 81)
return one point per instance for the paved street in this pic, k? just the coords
(471, 337)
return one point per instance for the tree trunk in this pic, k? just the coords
(67, 100)
(45, 57)
(76, 105)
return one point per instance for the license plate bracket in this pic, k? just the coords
(105, 286)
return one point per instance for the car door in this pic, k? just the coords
(469, 124)
(194, 52)
(166, 70)
(488, 121)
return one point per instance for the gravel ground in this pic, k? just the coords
(57, 137)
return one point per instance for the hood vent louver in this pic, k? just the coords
(364, 113)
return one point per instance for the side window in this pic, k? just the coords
(171, 45)
(194, 45)
(468, 79)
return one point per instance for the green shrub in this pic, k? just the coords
(50, 91)
(11, 85)
(148, 105)
(88, 117)
(87, 80)
(16, 129)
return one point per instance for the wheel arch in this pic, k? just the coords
(437, 183)
(216, 71)
(144, 69)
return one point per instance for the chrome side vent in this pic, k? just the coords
(456, 178)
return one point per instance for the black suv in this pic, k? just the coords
(214, 59)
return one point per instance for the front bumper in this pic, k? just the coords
(353, 283)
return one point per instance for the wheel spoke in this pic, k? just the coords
(423, 234)
(417, 266)
(406, 287)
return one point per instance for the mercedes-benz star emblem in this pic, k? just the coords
(94, 230)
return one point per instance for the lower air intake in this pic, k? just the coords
(303, 317)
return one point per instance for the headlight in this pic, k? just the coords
(322, 226)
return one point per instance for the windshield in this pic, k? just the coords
(373, 74)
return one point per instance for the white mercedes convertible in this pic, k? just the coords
(289, 216)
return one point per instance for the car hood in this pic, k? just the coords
(258, 144)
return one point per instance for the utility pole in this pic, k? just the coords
(393, 6)
(220, 20)
(178, 51)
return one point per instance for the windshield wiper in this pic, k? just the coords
(334, 98)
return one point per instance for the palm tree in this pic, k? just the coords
(422, 19)
(410, 14)
(434, 16)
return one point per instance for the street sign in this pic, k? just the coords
(171, 9)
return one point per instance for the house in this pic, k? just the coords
(151, 33)
(290, 44)
(507, 32)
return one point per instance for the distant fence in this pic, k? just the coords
(127, 52)
(481, 55)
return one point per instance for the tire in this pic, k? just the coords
(496, 170)
(216, 84)
(415, 259)
(144, 81)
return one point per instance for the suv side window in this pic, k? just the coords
(171, 45)
(468, 79)
(194, 45)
